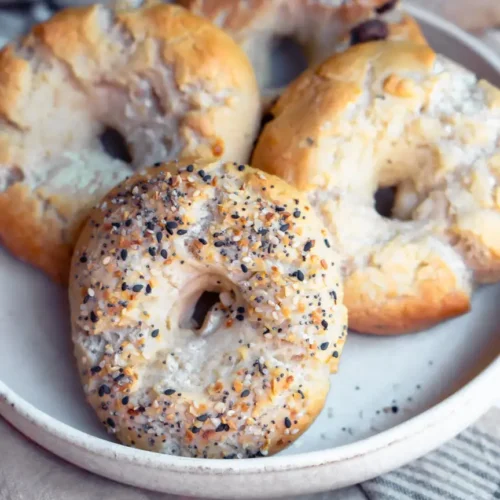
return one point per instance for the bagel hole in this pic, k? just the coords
(288, 61)
(204, 303)
(12, 176)
(115, 145)
(384, 201)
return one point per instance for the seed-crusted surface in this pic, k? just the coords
(254, 375)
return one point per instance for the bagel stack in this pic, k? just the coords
(209, 298)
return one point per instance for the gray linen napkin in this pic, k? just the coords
(466, 468)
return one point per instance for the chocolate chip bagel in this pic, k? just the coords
(320, 28)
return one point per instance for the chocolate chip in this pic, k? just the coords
(371, 30)
(268, 117)
(386, 7)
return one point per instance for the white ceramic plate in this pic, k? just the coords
(394, 399)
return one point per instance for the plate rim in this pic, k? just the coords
(487, 378)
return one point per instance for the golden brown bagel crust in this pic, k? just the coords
(321, 28)
(437, 296)
(169, 82)
(395, 114)
(254, 374)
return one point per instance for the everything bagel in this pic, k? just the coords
(396, 115)
(169, 82)
(252, 375)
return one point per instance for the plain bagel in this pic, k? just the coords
(321, 28)
(251, 376)
(396, 115)
(168, 81)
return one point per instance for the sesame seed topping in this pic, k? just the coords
(241, 226)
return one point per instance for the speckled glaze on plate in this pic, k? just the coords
(393, 400)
